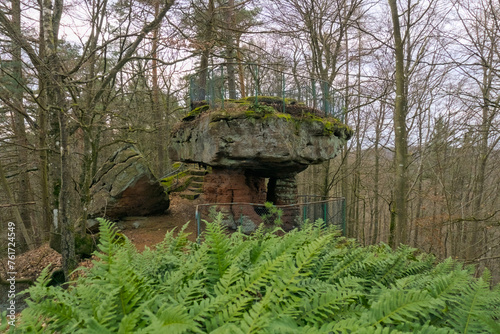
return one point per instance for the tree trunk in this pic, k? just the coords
(241, 71)
(230, 57)
(57, 111)
(400, 134)
(202, 80)
(42, 143)
(24, 193)
(160, 150)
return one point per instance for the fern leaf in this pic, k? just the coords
(352, 261)
(93, 327)
(323, 306)
(396, 306)
(257, 318)
(309, 254)
(226, 329)
(170, 319)
(107, 247)
(325, 265)
(219, 246)
(468, 308)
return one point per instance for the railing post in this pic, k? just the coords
(198, 224)
(212, 89)
(191, 98)
(326, 92)
(283, 91)
(325, 214)
(344, 227)
(223, 93)
(256, 84)
(314, 92)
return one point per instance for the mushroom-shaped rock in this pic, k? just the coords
(125, 186)
(245, 143)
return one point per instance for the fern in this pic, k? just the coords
(324, 306)
(470, 307)
(219, 246)
(169, 319)
(306, 281)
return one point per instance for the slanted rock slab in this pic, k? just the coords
(125, 186)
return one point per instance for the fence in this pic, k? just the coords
(248, 216)
(214, 85)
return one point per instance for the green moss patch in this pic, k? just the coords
(195, 113)
(270, 107)
(168, 181)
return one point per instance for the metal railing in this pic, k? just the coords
(248, 216)
(212, 85)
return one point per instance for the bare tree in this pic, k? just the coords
(59, 81)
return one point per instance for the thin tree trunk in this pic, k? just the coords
(401, 140)
(57, 110)
(160, 150)
(230, 57)
(202, 81)
(23, 192)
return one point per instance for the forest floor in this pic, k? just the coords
(142, 231)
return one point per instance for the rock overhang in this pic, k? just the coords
(258, 138)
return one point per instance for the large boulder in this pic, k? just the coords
(268, 143)
(125, 186)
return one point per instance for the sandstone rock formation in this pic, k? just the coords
(125, 186)
(255, 152)
(265, 143)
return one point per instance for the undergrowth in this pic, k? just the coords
(306, 281)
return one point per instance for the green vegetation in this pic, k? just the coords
(167, 182)
(307, 281)
(268, 108)
(196, 112)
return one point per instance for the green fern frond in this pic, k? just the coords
(353, 261)
(203, 310)
(323, 307)
(424, 329)
(325, 265)
(38, 291)
(108, 246)
(422, 265)
(169, 319)
(94, 327)
(257, 318)
(219, 246)
(226, 329)
(229, 312)
(468, 308)
(396, 306)
(190, 292)
(231, 276)
(449, 285)
(174, 245)
(59, 312)
(394, 266)
(105, 310)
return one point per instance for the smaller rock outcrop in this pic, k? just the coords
(125, 186)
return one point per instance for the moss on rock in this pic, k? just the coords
(270, 107)
(196, 112)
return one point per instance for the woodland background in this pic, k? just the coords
(419, 82)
